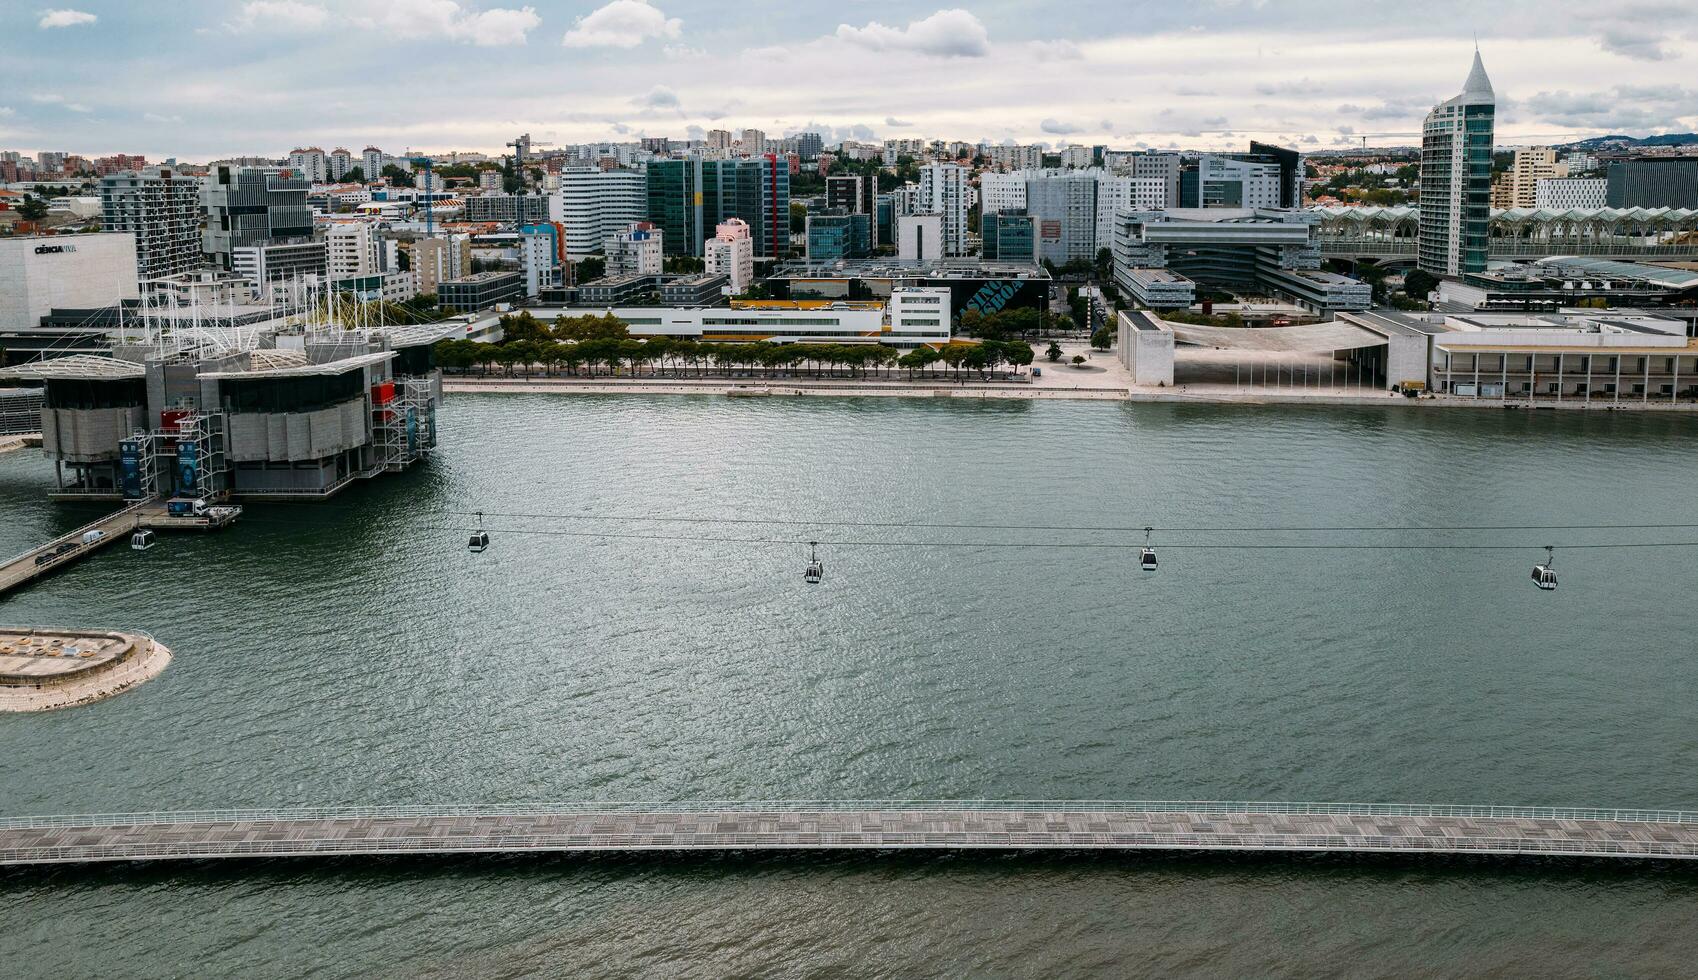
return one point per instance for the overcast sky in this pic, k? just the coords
(198, 79)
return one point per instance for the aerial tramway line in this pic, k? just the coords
(1543, 576)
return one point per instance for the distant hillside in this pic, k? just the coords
(1667, 139)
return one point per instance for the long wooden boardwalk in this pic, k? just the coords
(869, 825)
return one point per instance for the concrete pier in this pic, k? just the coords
(69, 548)
(42, 668)
(854, 825)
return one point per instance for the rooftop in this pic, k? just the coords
(75, 367)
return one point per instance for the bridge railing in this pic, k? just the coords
(75, 535)
(507, 843)
(498, 811)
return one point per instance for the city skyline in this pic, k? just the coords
(265, 75)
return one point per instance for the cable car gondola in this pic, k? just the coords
(1147, 557)
(141, 540)
(816, 568)
(1544, 576)
(479, 541)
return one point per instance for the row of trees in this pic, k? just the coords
(670, 357)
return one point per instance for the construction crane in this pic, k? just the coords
(430, 192)
(522, 145)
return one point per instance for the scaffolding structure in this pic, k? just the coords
(404, 425)
(192, 451)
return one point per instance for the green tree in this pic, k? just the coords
(1054, 352)
(1420, 283)
(1102, 339)
(356, 174)
(396, 176)
(33, 209)
(590, 269)
(798, 217)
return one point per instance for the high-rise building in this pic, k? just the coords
(437, 259)
(341, 161)
(252, 206)
(731, 253)
(754, 142)
(809, 145)
(353, 248)
(943, 191)
(1456, 179)
(1218, 181)
(372, 163)
(1165, 167)
(310, 163)
(895, 150)
(856, 195)
(1013, 157)
(1532, 164)
(719, 140)
(687, 197)
(1671, 183)
(163, 211)
(1000, 192)
(593, 203)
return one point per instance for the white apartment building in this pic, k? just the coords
(371, 163)
(753, 141)
(943, 191)
(731, 253)
(719, 139)
(353, 249)
(1532, 164)
(341, 161)
(1013, 157)
(894, 150)
(919, 238)
(310, 163)
(594, 204)
(1003, 192)
(39, 274)
(639, 250)
(1077, 157)
(539, 262)
(1568, 193)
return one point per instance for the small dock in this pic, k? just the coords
(69, 548)
(1096, 826)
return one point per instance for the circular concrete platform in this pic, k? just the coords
(42, 668)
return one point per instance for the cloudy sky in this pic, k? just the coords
(203, 78)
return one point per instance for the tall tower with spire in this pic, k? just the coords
(1456, 178)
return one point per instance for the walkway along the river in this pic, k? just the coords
(868, 825)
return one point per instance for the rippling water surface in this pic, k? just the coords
(353, 652)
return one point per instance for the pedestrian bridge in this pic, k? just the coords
(853, 825)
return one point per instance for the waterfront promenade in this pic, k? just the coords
(855, 825)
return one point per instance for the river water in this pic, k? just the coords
(353, 652)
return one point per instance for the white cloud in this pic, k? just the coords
(54, 98)
(1056, 127)
(64, 18)
(7, 112)
(405, 19)
(895, 123)
(154, 117)
(278, 15)
(952, 33)
(1639, 45)
(659, 97)
(499, 27)
(621, 24)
